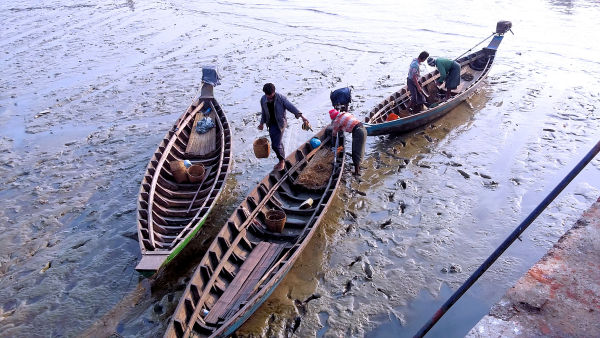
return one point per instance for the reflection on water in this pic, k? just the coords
(88, 91)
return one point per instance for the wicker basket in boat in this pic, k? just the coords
(178, 170)
(275, 220)
(195, 173)
(261, 147)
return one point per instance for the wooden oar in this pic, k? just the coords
(206, 173)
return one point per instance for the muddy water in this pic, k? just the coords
(89, 88)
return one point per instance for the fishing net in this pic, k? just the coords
(317, 172)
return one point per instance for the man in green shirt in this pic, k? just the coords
(449, 72)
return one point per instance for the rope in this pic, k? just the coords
(474, 46)
(508, 241)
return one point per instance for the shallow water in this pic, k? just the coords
(88, 89)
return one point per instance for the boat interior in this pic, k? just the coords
(247, 254)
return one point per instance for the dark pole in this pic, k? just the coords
(508, 241)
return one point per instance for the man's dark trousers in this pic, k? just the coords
(276, 135)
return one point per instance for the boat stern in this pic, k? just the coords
(149, 264)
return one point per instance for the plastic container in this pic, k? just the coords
(392, 117)
(178, 170)
(195, 173)
(187, 163)
(261, 147)
(275, 220)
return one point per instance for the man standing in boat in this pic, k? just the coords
(449, 72)
(417, 96)
(273, 107)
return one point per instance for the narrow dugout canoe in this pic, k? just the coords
(246, 262)
(474, 68)
(171, 213)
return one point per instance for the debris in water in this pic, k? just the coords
(386, 293)
(368, 270)
(311, 297)
(46, 267)
(455, 268)
(391, 196)
(356, 260)
(464, 174)
(349, 285)
(386, 223)
(351, 214)
(402, 207)
(42, 113)
(362, 193)
(300, 307)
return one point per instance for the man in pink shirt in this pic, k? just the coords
(344, 121)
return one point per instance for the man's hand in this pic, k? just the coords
(260, 126)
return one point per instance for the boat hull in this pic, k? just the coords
(477, 65)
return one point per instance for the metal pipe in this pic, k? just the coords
(508, 241)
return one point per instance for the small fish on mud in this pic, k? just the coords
(385, 224)
(356, 260)
(368, 270)
(46, 267)
(464, 174)
(348, 286)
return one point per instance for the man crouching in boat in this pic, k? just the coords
(417, 96)
(344, 121)
(449, 72)
(273, 106)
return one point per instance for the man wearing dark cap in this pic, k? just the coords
(273, 107)
(449, 73)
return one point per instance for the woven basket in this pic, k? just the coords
(261, 147)
(275, 220)
(195, 173)
(178, 170)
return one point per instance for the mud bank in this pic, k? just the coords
(560, 295)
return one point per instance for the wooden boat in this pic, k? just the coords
(474, 68)
(171, 213)
(246, 262)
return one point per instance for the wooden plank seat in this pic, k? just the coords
(259, 260)
(202, 144)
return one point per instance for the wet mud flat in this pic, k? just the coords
(89, 89)
(560, 295)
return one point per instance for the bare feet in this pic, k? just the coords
(279, 166)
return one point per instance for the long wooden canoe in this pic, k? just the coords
(246, 262)
(171, 213)
(474, 68)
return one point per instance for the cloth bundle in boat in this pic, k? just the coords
(317, 172)
(205, 125)
(202, 144)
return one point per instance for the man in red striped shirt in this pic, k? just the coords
(344, 121)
